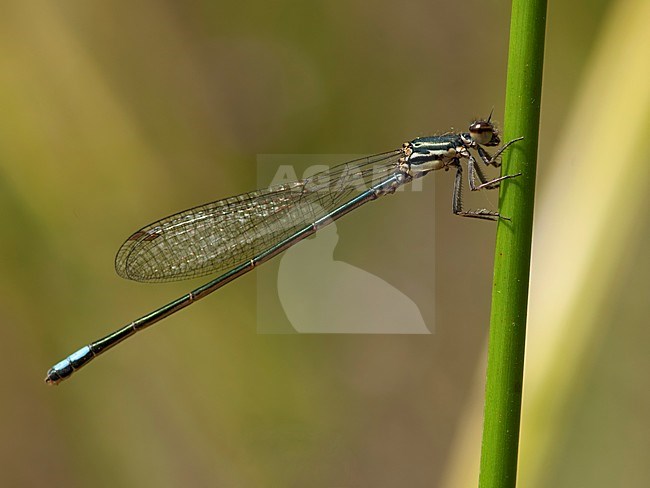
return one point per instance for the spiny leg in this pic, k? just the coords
(457, 204)
(475, 171)
(492, 160)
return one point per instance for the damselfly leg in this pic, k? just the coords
(474, 173)
(493, 160)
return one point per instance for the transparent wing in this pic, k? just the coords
(220, 235)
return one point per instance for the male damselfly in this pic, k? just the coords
(236, 234)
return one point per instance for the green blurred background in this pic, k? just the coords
(117, 113)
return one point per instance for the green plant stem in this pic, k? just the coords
(512, 259)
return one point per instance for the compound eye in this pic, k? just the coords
(482, 132)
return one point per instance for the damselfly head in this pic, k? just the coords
(484, 133)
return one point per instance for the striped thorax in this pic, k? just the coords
(432, 153)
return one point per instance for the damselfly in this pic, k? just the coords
(234, 235)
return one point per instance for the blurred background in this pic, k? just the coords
(115, 114)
